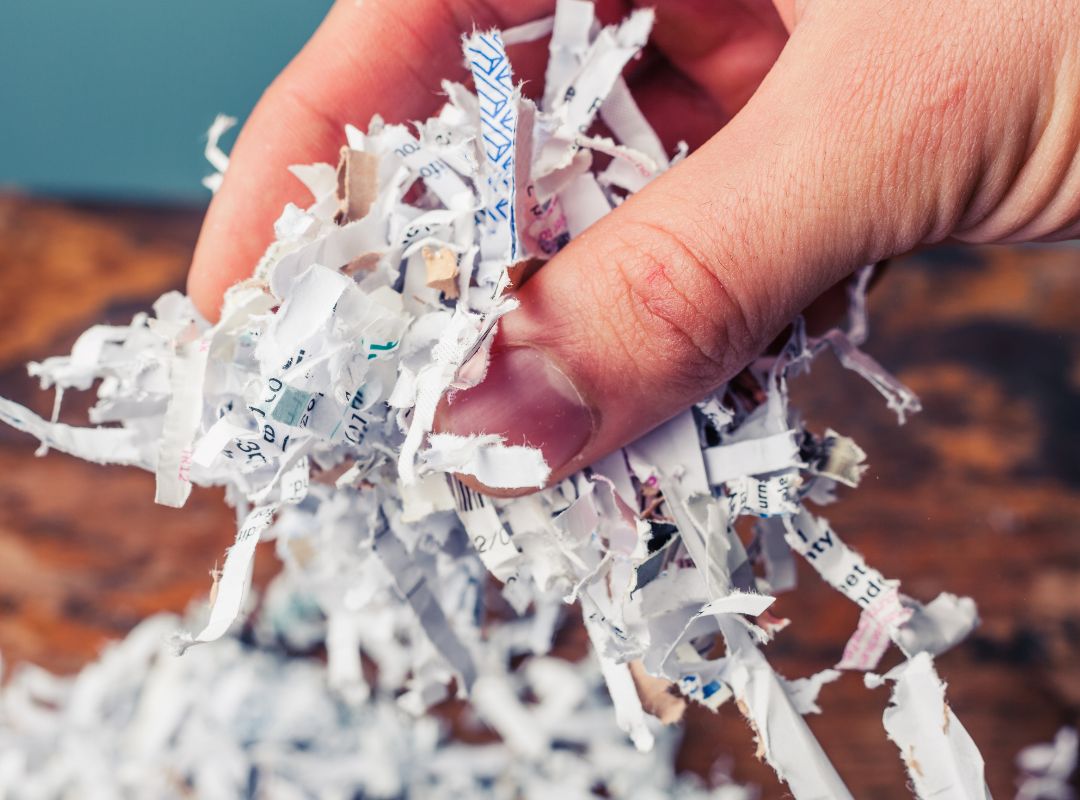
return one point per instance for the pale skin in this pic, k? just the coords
(828, 135)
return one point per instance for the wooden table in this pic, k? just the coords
(979, 494)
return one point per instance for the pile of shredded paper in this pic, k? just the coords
(242, 720)
(312, 401)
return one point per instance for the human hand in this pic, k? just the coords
(879, 127)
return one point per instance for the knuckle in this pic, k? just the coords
(682, 313)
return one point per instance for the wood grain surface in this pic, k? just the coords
(979, 494)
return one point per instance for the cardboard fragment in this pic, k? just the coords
(659, 697)
(357, 184)
(364, 263)
(442, 270)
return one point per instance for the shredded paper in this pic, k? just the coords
(312, 401)
(240, 719)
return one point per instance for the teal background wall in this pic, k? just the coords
(112, 98)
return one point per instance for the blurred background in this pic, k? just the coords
(100, 162)
(113, 98)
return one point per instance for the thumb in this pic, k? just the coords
(672, 293)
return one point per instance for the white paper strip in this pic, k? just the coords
(235, 576)
(941, 758)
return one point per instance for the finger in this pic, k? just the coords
(789, 11)
(682, 112)
(671, 294)
(375, 57)
(726, 48)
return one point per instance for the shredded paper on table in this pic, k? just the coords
(312, 402)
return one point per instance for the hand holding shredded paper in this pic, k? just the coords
(551, 294)
(824, 135)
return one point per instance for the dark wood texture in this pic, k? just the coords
(979, 494)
